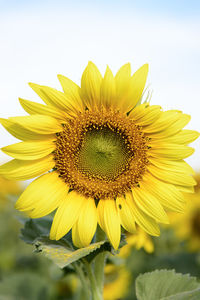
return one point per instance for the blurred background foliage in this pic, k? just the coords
(26, 275)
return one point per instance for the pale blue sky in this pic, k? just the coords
(40, 39)
(171, 7)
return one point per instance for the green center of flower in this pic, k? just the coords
(103, 154)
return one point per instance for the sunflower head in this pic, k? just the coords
(101, 156)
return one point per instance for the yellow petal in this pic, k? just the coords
(152, 114)
(23, 133)
(126, 215)
(109, 220)
(170, 151)
(139, 111)
(72, 92)
(185, 189)
(167, 194)
(177, 166)
(112, 222)
(75, 236)
(185, 137)
(182, 121)
(30, 150)
(38, 123)
(122, 80)
(90, 86)
(37, 108)
(43, 195)
(143, 220)
(168, 126)
(100, 214)
(167, 118)
(108, 90)
(39, 91)
(138, 81)
(137, 84)
(149, 246)
(53, 97)
(172, 176)
(149, 204)
(26, 169)
(87, 222)
(66, 215)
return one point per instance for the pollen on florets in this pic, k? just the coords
(101, 154)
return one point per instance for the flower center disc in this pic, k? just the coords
(103, 154)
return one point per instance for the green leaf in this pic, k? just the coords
(104, 247)
(36, 232)
(192, 295)
(62, 254)
(35, 229)
(166, 285)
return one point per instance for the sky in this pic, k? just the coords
(40, 39)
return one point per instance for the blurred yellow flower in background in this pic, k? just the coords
(138, 241)
(68, 286)
(187, 225)
(117, 282)
(8, 187)
(112, 160)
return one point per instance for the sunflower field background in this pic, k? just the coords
(27, 274)
(43, 38)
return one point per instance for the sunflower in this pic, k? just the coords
(117, 282)
(138, 240)
(187, 225)
(101, 156)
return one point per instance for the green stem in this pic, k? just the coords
(99, 262)
(96, 294)
(86, 291)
